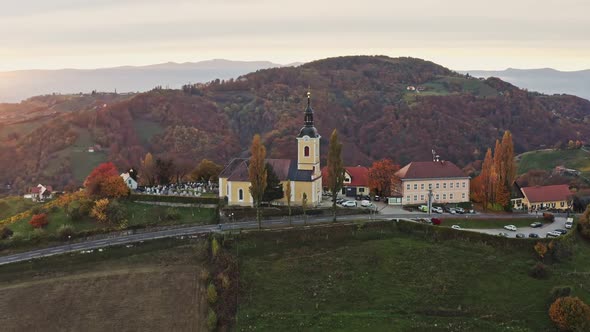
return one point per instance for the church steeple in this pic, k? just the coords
(308, 128)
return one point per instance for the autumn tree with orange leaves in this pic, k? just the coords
(382, 177)
(104, 182)
(570, 314)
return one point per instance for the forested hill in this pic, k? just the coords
(370, 100)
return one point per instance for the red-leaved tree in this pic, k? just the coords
(382, 178)
(104, 181)
(39, 220)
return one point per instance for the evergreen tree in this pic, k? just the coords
(335, 169)
(274, 187)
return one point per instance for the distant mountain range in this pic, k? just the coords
(545, 80)
(18, 85)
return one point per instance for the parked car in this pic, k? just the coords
(519, 235)
(367, 197)
(377, 198)
(365, 203)
(358, 197)
(436, 221)
(569, 224)
(536, 224)
(437, 209)
(553, 234)
(460, 210)
(562, 231)
(423, 208)
(456, 227)
(533, 235)
(340, 200)
(349, 204)
(504, 234)
(510, 228)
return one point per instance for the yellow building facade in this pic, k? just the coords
(304, 173)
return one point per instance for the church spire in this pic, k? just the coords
(308, 128)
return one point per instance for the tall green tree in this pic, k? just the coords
(335, 169)
(274, 187)
(304, 207)
(257, 174)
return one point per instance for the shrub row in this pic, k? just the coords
(247, 212)
(174, 199)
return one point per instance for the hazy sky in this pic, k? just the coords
(460, 34)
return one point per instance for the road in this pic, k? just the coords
(204, 229)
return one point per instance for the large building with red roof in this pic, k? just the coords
(446, 182)
(545, 197)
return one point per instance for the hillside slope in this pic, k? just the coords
(365, 98)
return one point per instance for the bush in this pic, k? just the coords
(211, 293)
(115, 212)
(559, 291)
(5, 233)
(37, 210)
(214, 247)
(37, 235)
(17, 237)
(548, 217)
(539, 271)
(65, 231)
(570, 314)
(225, 282)
(172, 214)
(39, 220)
(174, 199)
(211, 320)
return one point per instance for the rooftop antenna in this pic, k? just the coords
(435, 157)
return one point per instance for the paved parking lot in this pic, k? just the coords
(541, 231)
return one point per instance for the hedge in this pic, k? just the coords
(174, 199)
(247, 212)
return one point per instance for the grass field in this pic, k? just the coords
(10, 206)
(151, 287)
(547, 160)
(138, 214)
(386, 281)
(147, 129)
(489, 223)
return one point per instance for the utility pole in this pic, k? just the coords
(429, 202)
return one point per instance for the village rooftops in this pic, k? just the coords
(430, 170)
(539, 194)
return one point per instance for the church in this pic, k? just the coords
(304, 173)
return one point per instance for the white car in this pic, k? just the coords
(349, 204)
(456, 227)
(366, 203)
(452, 211)
(569, 224)
(553, 234)
(510, 228)
(437, 209)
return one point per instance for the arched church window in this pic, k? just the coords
(241, 195)
(306, 151)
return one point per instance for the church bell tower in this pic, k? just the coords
(308, 143)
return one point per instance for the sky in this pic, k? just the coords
(459, 34)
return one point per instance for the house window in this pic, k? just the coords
(562, 204)
(464, 184)
(415, 198)
(437, 185)
(241, 194)
(444, 185)
(430, 186)
(347, 180)
(450, 196)
(463, 196)
(451, 185)
(421, 197)
(306, 151)
(408, 186)
(444, 196)
(437, 197)
(422, 186)
(415, 186)
(457, 185)
(361, 190)
(408, 198)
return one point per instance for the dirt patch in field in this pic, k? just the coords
(143, 298)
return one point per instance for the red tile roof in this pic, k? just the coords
(430, 170)
(359, 176)
(540, 194)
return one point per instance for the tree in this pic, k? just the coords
(570, 314)
(116, 213)
(541, 249)
(99, 211)
(288, 194)
(39, 220)
(486, 179)
(148, 170)
(335, 169)
(382, 178)
(274, 187)
(164, 170)
(257, 174)
(96, 179)
(114, 187)
(206, 171)
(304, 207)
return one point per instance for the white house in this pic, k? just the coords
(40, 193)
(132, 184)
